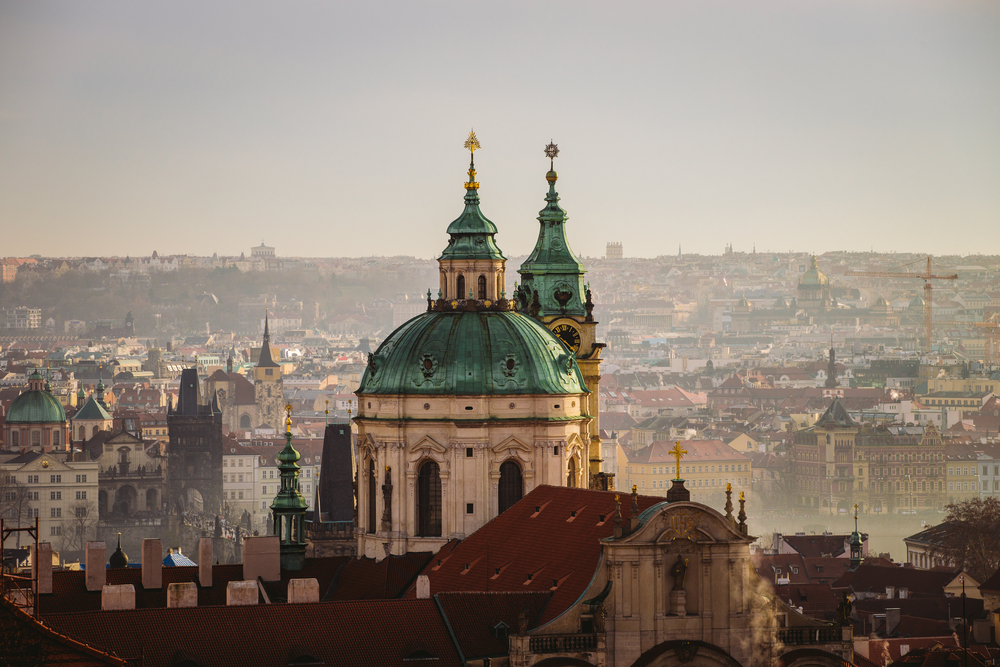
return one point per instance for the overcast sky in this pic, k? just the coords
(336, 128)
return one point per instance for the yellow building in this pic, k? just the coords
(962, 475)
(706, 468)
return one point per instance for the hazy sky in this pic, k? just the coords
(336, 128)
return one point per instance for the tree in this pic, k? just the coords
(971, 538)
(14, 503)
(77, 528)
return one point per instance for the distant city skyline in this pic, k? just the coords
(336, 130)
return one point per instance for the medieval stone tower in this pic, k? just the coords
(194, 454)
(268, 386)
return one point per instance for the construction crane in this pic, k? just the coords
(926, 276)
(991, 343)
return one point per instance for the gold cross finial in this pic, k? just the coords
(677, 453)
(288, 420)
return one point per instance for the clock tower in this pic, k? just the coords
(552, 290)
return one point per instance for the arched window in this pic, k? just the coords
(482, 287)
(96, 430)
(460, 287)
(372, 492)
(499, 286)
(15, 439)
(571, 473)
(55, 438)
(245, 421)
(83, 433)
(511, 486)
(429, 500)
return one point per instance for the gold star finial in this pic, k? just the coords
(678, 452)
(552, 152)
(472, 143)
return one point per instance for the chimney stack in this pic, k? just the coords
(423, 587)
(303, 590)
(96, 562)
(41, 567)
(262, 558)
(152, 564)
(117, 597)
(205, 562)
(891, 620)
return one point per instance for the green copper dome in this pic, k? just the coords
(472, 354)
(36, 407)
(813, 276)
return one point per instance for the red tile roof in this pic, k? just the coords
(516, 552)
(374, 632)
(473, 618)
(366, 579)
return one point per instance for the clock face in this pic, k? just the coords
(568, 335)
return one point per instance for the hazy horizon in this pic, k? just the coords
(204, 128)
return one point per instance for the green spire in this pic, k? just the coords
(552, 269)
(856, 544)
(472, 233)
(288, 506)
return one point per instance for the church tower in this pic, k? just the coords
(289, 507)
(552, 290)
(267, 385)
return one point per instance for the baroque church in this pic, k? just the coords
(469, 406)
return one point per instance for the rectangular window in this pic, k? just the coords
(55, 495)
(241, 463)
(55, 479)
(55, 512)
(951, 486)
(36, 438)
(55, 438)
(33, 495)
(81, 512)
(81, 495)
(15, 439)
(263, 490)
(951, 471)
(241, 477)
(55, 531)
(241, 495)
(32, 479)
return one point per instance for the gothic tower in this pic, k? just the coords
(194, 453)
(552, 290)
(267, 385)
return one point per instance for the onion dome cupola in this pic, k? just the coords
(472, 266)
(856, 544)
(119, 558)
(552, 271)
(288, 506)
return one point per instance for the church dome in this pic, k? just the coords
(472, 354)
(813, 276)
(36, 406)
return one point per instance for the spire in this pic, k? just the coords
(552, 269)
(472, 234)
(265, 360)
(119, 558)
(856, 544)
(100, 386)
(288, 506)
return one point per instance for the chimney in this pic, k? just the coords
(183, 594)
(117, 597)
(423, 587)
(890, 592)
(903, 592)
(241, 593)
(152, 564)
(262, 558)
(205, 562)
(891, 620)
(41, 566)
(96, 561)
(303, 590)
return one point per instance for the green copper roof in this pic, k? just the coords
(36, 407)
(92, 410)
(813, 276)
(472, 233)
(472, 354)
(552, 269)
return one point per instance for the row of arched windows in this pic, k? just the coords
(510, 489)
(481, 293)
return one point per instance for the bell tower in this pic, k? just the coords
(552, 290)
(267, 385)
